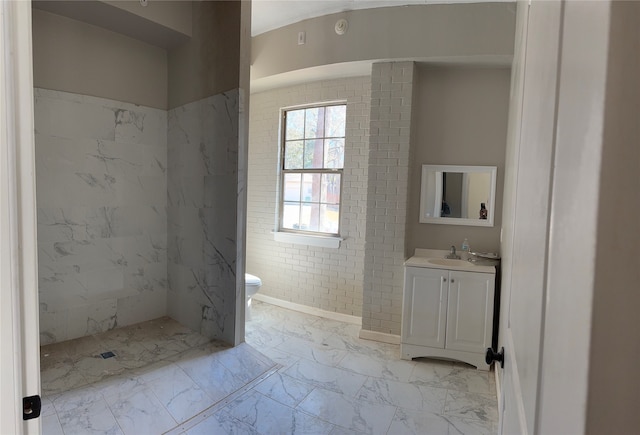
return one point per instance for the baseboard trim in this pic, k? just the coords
(347, 318)
(379, 336)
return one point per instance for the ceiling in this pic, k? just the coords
(271, 14)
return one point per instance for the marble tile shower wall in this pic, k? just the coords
(202, 213)
(101, 199)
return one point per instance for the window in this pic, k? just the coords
(312, 166)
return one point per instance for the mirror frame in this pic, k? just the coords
(437, 199)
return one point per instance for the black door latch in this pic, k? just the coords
(31, 407)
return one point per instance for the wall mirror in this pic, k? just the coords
(458, 195)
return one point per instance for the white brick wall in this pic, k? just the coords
(329, 279)
(389, 147)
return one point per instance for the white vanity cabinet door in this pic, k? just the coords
(424, 309)
(470, 311)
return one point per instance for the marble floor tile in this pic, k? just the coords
(47, 407)
(63, 376)
(139, 412)
(284, 389)
(53, 354)
(283, 359)
(305, 331)
(84, 410)
(277, 315)
(404, 395)
(471, 406)
(421, 423)
(411, 422)
(330, 378)
(162, 348)
(338, 430)
(96, 368)
(444, 374)
(113, 386)
(130, 354)
(358, 415)
(211, 376)
(397, 370)
(244, 363)
(95, 418)
(337, 327)
(178, 393)
(222, 423)
(312, 351)
(268, 416)
(51, 425)
(461, 426)
(76, 399)
(84, 346)
(262, 337)
(363, 347)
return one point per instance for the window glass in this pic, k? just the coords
(314, 122)
(330, 188)
(311, 187)
(329, 215)
(292, 187)
(291, 216)
(295, 124)
(293, 154)
(334, 153)
(336, 117)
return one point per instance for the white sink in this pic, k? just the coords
(448, 262)
(436, 259)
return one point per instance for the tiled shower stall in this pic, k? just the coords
(136, 214)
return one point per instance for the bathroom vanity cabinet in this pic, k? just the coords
(447, 313)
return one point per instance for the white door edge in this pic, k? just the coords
(517, 388)
(20, 358)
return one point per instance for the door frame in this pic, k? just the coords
(19, 323)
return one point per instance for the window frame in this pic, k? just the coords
(282, 172)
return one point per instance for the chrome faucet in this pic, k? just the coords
(453, 254)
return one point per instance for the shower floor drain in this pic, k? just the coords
(106, 355)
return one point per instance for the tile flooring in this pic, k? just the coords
(317, 378)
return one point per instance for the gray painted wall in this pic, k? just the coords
(73, 56)
(175, 15)
(461, 119)
(477, 32)
(209, 63)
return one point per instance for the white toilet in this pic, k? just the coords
(252, 285)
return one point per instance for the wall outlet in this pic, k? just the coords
(302, 38)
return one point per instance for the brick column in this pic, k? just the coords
(389, 144)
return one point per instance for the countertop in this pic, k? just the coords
(422, 256)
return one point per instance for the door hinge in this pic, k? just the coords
(31, 407)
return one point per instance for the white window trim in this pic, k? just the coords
(307, 239)
(319, 240)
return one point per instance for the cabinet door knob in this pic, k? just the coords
(453, 280)
(444, 279)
